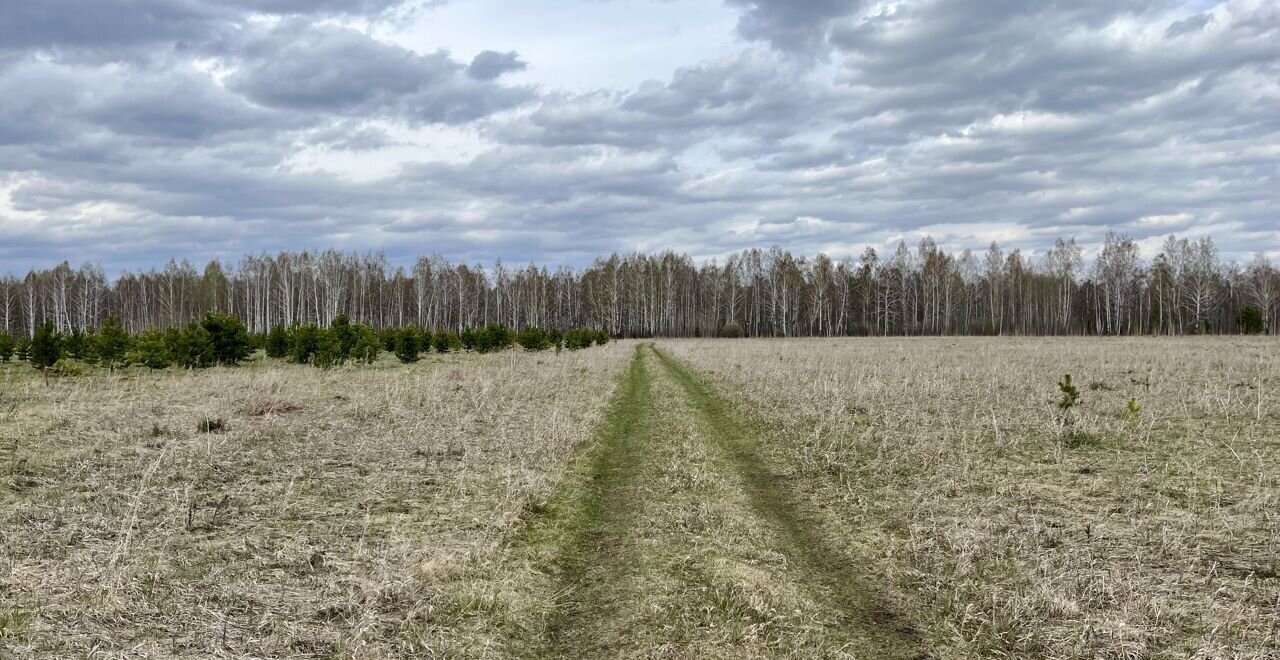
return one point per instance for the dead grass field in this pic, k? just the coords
(315, 525)
(852, 498)
(945, 467)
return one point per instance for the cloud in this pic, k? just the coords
(116, 28)
(491, 64)
(218, 128)
(301, 66)
(791, 26)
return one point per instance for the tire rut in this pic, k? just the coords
(587, 524)
(623, 577)
(825, 568)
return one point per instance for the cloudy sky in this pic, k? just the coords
(132, 131)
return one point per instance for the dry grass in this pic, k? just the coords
(325, 519)
(946, 466)
(440, 509)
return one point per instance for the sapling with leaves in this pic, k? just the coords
(278, 342)
(111, 343)
(306, 341)
(1070, 399)
(345, 334)
(367, 346)
(328, 352)
(445, 341)
(229, 337)
(1133, 412)
(46, 348)
(407, 347)
(151, 351)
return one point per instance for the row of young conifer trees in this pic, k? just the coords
(221, 339)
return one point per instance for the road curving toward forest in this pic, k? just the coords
(677, 534)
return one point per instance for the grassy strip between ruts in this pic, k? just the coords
(820, 564)
(672, 536)
(576, 536)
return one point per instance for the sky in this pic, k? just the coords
(555, 131)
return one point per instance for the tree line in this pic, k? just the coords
(921, 290)
(223, 339)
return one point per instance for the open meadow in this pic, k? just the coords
(800, 498)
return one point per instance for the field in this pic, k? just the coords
(850, 498)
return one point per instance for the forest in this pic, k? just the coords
(1186, 289)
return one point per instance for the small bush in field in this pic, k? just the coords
(150, 351)
(278, 342)
(191, 348)
(328, 352)
(731, 330)
(445, 341)
(1069, 399)
(229, 338)
(65, 367)
(112, 343)
(533, 339)
(1133, 412)
(345, 334)
(1070, 394)
(211, 425)
(367, 346)
(46, 347)
(407, 347)
(7, 347)
(468, 339)
(306, 341)
(494, 337)
(579, 338)
(76, 344)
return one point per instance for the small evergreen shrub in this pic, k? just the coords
(278, 342)
(150, 351)
(112, 343)
(731, 330)
(192, 347)
(407, 347)
(46, 347)
(228, 337)
(468, 339)
(367, 347)
(345, 334)
(445, 341)
(7, 347)
(76, 344)
(306, 341)
(65, 367)
(1251, 322)
(533, 339)
(328, 353)
(1133, 412)
(211, 425)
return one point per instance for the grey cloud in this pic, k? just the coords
(491, 64)
(963, 119)
(300, 66)
(126, 24)
(754, 92)
(1188, 25)
(346, 136)
(789, 25)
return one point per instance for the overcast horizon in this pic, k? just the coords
(135, 131)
